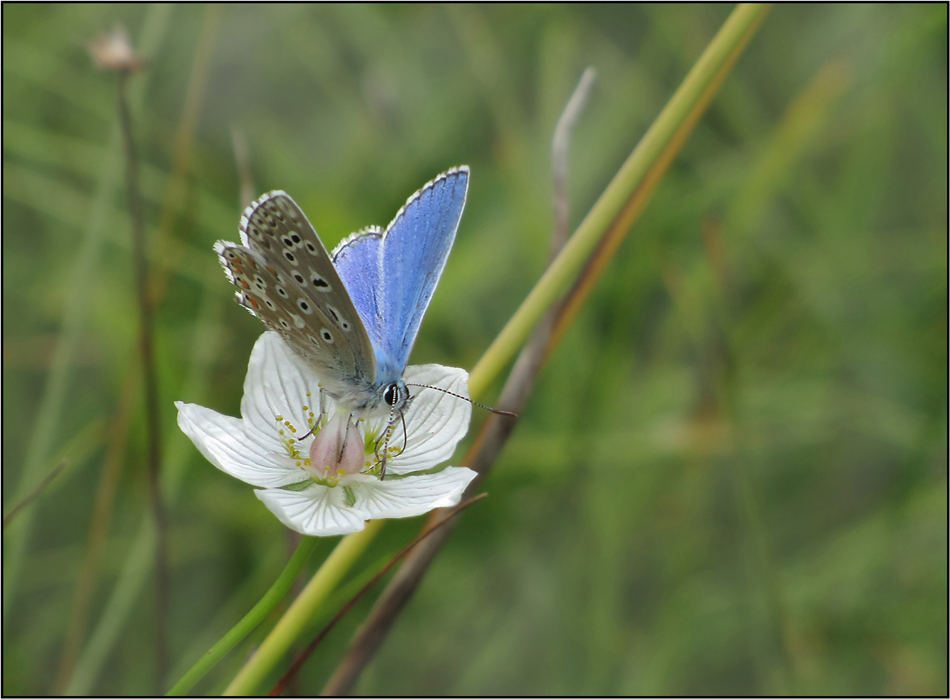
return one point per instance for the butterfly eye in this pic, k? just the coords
(391, 395)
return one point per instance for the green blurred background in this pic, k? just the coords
(732, 475)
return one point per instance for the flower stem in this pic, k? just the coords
(149, 370)
(296, 618)
(250, 621)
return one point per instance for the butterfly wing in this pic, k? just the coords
(285, 277)
(356, 260)
(414, 250)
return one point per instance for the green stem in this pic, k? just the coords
(250, 621)
(296, 618)
(562, 272)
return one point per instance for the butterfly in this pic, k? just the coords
(352, 315)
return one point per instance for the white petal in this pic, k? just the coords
(277, 384)
(411, 496)
(315, 511)
(435, 421)
(223, 442)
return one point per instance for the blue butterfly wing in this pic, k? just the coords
(357, 261)
(415, 248)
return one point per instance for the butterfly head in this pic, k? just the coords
(390, 399)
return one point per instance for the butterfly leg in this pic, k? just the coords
(390, 426)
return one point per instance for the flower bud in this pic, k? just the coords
(113, 51)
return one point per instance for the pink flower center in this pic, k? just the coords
(338, 448)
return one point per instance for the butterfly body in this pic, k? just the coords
(353, 316)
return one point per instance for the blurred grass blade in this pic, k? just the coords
(35, 493)
(98, 529)
(207, 342)
(131, 580)
(797, 132)
(74, 317)
(183, 151)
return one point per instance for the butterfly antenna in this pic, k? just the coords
(483, 407)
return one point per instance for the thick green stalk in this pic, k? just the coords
(568, 264)
(296, 618)
(250, 621)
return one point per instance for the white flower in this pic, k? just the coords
(328, 483)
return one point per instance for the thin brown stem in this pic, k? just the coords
(11, 515)
(146, 346)
(559, 152)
